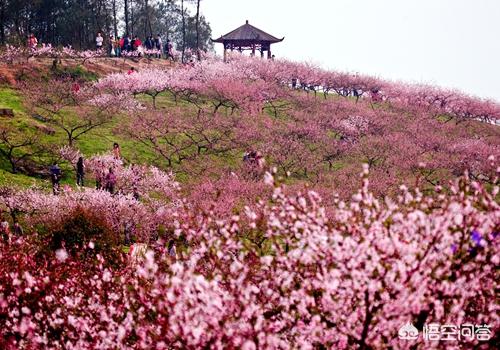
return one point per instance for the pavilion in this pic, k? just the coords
(248, 37)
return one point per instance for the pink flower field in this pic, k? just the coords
(253, 204)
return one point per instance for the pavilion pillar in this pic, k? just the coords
(261, 53)
(269, 53)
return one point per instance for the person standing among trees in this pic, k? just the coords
(55, 176)
(116, 147)
(4, 228)
(99, 175)
(168, 50)
(117, 44)
(149, 43)
(80, 171)
(111, 181)
(17, 229)
(98, 41)
(111, 44)
(32, 41)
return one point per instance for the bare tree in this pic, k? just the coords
(17, 147)
(62, 105)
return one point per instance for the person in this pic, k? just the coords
(149, 43)
(131, 70)
(136, 44)
(122, 44)
(117, 46)
(98, 41)
(172, 252)
(99, 175)
(4, 228)
(55, 176)
(32, 41)
(17, 229)
(80, 169)
(135, 194)
(111, 49)
(110, 181)
(116, 147)
(168, 50)
(127, 43)
(158, 45)
(254, 162)
(127, 230)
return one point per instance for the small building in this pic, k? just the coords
(248, 37)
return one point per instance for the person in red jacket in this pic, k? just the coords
(137, 43)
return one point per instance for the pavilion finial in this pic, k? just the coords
(247, 21)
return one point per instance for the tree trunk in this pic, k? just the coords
(115, 23)
(198, 54)
(147, 24)
(126, 18)
(131, 19)
(183, 31)
(2, 23)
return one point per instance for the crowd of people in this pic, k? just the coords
(103, 181)
(151, 46)
(119, 46)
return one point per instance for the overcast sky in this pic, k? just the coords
(451, 43)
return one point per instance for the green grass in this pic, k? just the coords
(20, 180)
(97, 141)
(10, 98)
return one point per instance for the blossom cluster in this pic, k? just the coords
(281, 275)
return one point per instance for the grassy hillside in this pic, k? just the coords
(313, 136)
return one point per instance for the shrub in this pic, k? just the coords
(84, 233)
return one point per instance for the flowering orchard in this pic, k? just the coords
(416, 135)
(281, 275)
(12, 54)
(286, 249)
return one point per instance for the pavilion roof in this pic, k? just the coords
(248, 32)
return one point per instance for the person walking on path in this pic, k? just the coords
(55, 176)
(98, 41)
(80, 171)
(111, 181)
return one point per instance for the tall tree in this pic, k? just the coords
(115, 20)
(183, 30)
(198, 53)
(127, 28)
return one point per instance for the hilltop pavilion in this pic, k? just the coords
(248, 37)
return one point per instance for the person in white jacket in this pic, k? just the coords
(98, 41)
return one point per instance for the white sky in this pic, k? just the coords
(450, 43)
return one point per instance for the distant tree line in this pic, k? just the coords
(76, 22)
